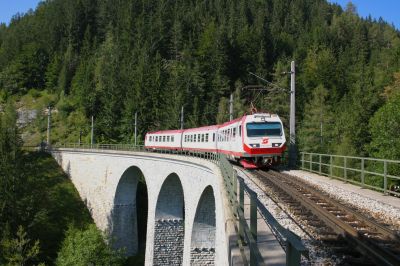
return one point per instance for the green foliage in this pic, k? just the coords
(87, 247)
(223, 111)
(26, 71)
(19, 250)
(97, 58)
(385, 130)
(317, 123)
(36, 195)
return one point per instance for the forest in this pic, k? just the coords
(111, 59)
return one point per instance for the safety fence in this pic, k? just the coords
(294, 248)
(377, 174)
(235, 187)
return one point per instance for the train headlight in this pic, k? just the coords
(276, 144)
(255, 145)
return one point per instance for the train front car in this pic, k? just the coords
(263, 140)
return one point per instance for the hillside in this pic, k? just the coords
(111, 59)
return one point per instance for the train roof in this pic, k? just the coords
(168, 131)
(212, 127)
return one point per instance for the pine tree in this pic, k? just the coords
(314, 133)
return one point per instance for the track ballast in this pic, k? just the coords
(334, 223)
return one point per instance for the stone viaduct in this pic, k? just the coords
(172, 208)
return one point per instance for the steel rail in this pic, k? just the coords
(351, 234)
(383, 230)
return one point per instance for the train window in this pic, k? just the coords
(198, 138)
(234, 132)
(207, 137)
(172, 138)
(213, 137)
(240, 131)
(185, 138)
(156, 138)
(264, 129)
(163, 138)
(202, 137)
(194, 138)
(167, 138)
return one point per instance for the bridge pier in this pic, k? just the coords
(202, 248)
(125, 214)
(169, 225)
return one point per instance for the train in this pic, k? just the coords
(255, 140)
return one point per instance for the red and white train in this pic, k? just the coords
(254, 141)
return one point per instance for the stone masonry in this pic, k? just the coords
(202, 256)
(168, 242)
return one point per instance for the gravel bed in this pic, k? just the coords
(318, 255)
(379, 210)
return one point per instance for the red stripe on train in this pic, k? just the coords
(259, 151)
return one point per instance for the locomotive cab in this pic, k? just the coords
(263, 140)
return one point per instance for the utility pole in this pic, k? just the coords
(292, 147)
(182, 117)
(80, 137)
(231, 107)
(48, 125)
(135, 128)
(91, 133)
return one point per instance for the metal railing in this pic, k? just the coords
(294, 248)
(248, 234)
(211, 156)
(376, 174)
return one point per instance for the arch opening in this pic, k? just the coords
(202, 249)
(129, 213)
(169, 223)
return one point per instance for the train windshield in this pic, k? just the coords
(264, 129)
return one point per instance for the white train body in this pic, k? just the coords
(254, 140)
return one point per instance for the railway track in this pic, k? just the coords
(335, 223)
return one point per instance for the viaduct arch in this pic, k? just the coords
(186, 208)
